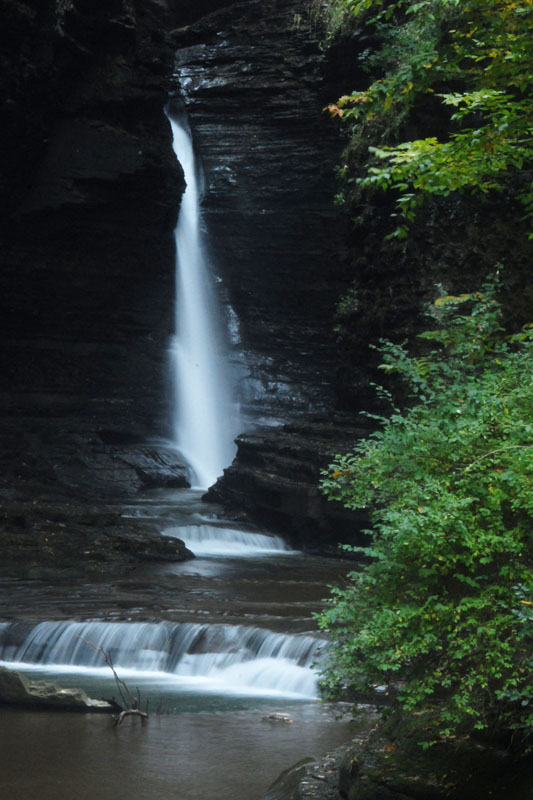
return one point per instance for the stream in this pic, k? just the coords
(215, 646)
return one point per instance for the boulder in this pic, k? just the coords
(387, 762)
(275, 479)
(17, 689)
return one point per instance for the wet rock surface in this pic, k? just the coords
(124, 562)
(91, 190)
(18, 690)
(42, 540)
(253, 84)
(392, 765)
(319, 778)
(275, 478)
(385, 761)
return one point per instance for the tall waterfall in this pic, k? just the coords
(204, 419)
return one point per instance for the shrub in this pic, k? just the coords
(443, 608)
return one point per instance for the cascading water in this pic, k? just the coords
(223, 541)
(204, 419)
(225, 658)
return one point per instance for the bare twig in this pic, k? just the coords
(123, 690)
(128, 713)
(107, 658)
(499, 450)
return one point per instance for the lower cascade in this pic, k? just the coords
(217, 540)
(231, 659)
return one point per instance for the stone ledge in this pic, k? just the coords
(17, 689)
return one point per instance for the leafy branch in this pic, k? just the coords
(482, 51)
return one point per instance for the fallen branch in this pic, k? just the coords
(118, 720)
(122, 687)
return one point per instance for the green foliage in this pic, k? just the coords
(444, 608)
(476, 57)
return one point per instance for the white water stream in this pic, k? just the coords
(216, 540)
(205, 418)
(224, 659)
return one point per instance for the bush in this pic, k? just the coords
(443, 609)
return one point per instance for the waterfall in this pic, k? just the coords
(228, 658)
(204, 419)
(222, 541)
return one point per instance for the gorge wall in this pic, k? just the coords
(90, 196)
(90, 190)
(253, 79)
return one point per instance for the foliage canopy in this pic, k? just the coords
(444, 608)
(476, 57)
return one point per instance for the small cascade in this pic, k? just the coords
(228, 659)
(214, 540)
(204, 420)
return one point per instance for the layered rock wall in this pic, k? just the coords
(90, 192)
(252, 80)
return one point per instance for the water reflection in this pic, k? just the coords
(190, 756)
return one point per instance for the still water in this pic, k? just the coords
(230, 755)
(219, 644)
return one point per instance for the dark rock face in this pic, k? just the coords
(275, 476)
(387, 762)
(252, 82)
(43, 539)
(91, 189)
(392, 765)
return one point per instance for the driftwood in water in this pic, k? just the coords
(113, 703)
(123, 690)
(118, 720)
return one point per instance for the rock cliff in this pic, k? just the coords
(91, 191)
(253, 83)
(253, 80)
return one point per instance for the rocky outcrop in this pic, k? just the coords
(275, 478)
(44, 539)
(389, 763)
(252, 79)
(17, 689)
(91, 190)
